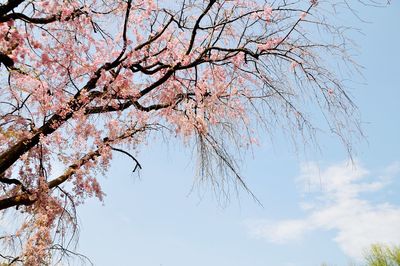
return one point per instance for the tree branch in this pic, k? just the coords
(197, 25)
(10, 5)
(27, 198)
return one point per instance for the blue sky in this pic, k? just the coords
(317, 207)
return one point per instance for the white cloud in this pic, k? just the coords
(339, 203)
(278, 232)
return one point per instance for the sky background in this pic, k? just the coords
(317, 207)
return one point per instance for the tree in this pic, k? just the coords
(379, 255)
(84, 79)
(383, 255)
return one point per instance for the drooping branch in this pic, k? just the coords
(137, 164)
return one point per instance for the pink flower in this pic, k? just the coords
(270, 44)
(45, 59)
(267, 13)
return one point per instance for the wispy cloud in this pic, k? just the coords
(338, 200)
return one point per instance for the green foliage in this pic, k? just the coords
(378, 255)
(383, 255)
